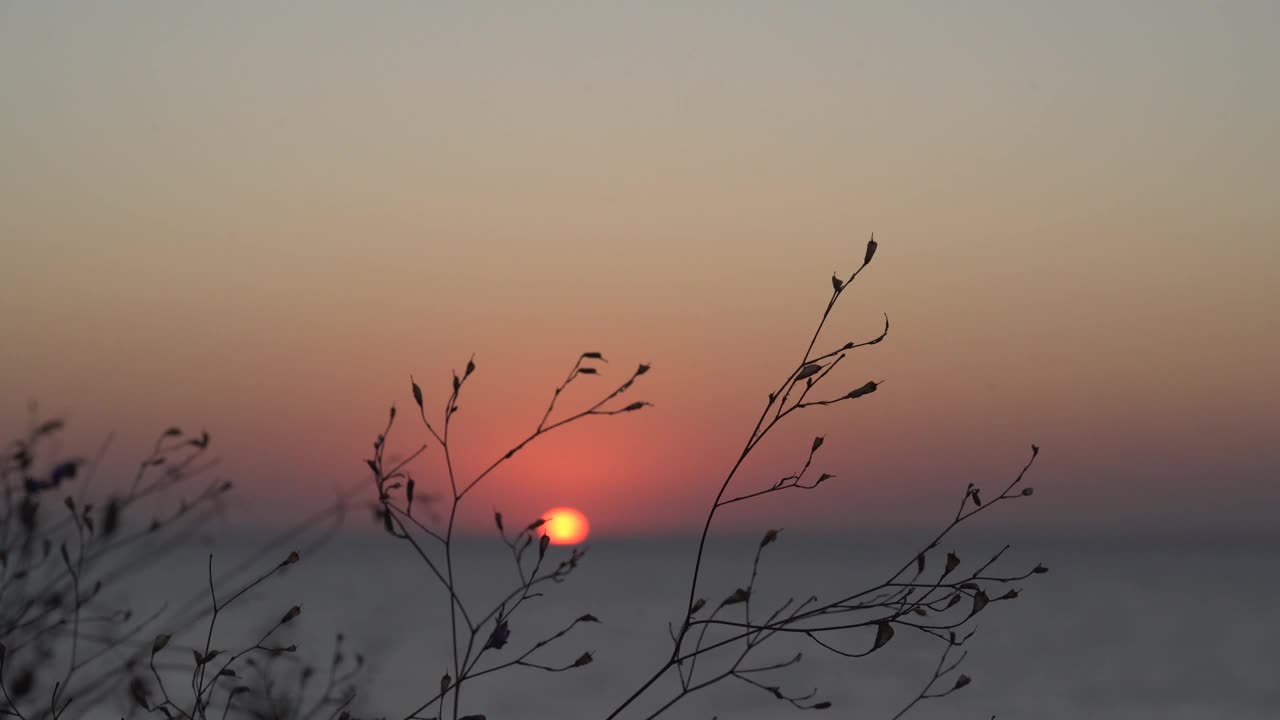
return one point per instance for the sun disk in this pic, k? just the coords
(565, 526)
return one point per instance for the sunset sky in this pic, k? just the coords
(261, 218)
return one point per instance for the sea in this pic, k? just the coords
(1145, 627)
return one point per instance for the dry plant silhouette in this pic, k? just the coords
(718, 636)
(475, 633)
(68, 644)
(64, 649)
(257, 680)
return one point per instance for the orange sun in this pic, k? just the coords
(566, 526)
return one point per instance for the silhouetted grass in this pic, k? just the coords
(713, 639)
(62, 651)
(67, 647)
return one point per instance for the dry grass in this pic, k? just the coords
(63, 651)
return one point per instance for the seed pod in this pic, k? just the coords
(417, 392)
(884, 633)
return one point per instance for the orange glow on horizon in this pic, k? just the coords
(566, 526)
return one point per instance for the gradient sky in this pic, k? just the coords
(260, 218)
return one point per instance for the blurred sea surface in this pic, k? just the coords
(1141, 628)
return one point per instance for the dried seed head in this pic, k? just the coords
(884, 633)
(417, 392)
(866, 389)
(500, 635)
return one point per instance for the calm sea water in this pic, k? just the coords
(1132, 629)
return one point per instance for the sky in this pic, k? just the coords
(260, 219)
